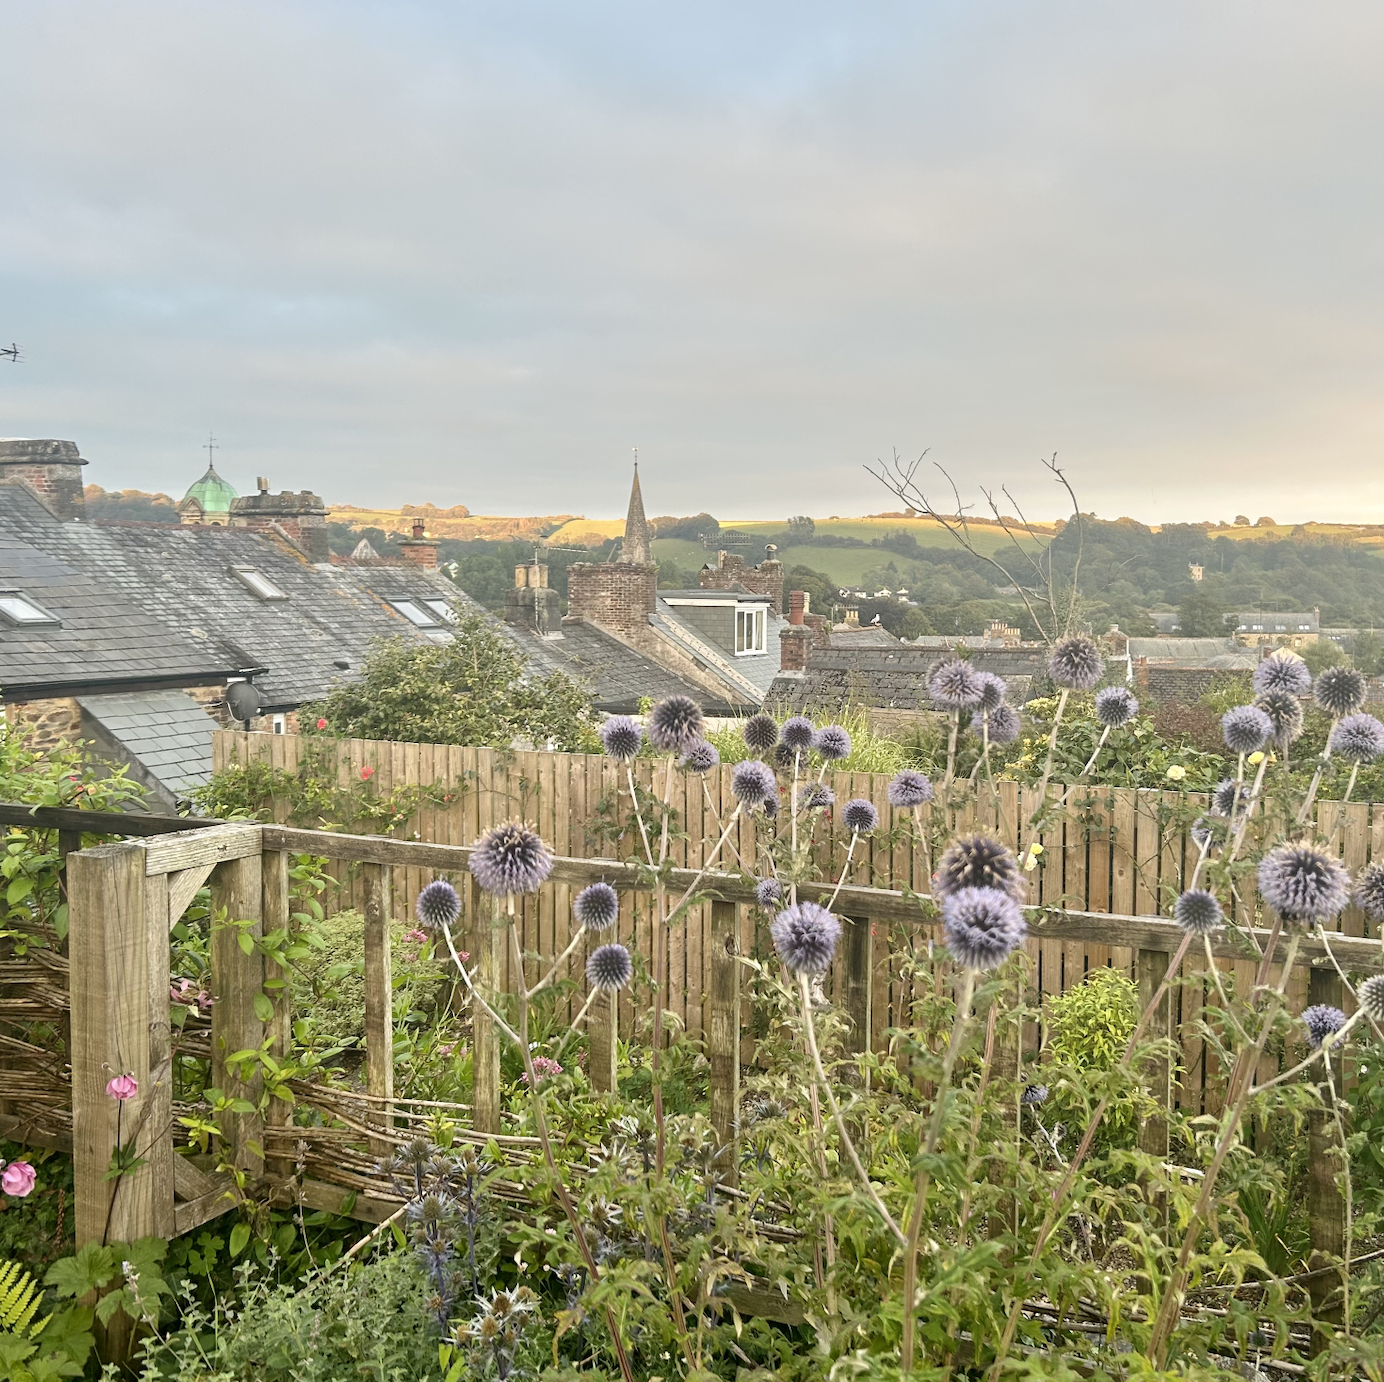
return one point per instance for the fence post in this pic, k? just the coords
(723, 1034)
(379, 997)
(1150, 967)
(485, 1039)
(278, 917)
(1326, 1206)
(237, 978)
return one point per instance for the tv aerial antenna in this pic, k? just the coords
(10, 353)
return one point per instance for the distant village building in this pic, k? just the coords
(1266, 628)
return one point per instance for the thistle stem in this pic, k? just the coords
(706, 864)
(1350, 786)
(845, 869)
(1317, 776)
(1042, 806)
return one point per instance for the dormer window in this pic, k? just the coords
(750, 630)
(257, 583)
(18, 609)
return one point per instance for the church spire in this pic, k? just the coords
(636, 549)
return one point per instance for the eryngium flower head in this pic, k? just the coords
(1359, 738)
(1076, 663)
(982, 926)
(815, 796)
(1285, 714)
(1003, 725)
(771, 805)
(805, 937)
(1116, 706)
(977, 861)
(438, 905)
(752, 782)
(1283, 671)
(955, 684)
(1034, 1094)
(596, 907)
(701, 757)
(1303, 884)
(909, 788)
(1200, 831)
(768, 892)
(1321, 1020)
(1370, 997)
(1228, 795)
(1340, 691)
(511, 858)
(860, 816)
(621, 737)
(675, 723)
(798, 733)
(783, 756)
(832, 742)
(993, 690)
(760, 733)
(1198, 912)
(609, 967)
(1245, 728)
(1369, 891)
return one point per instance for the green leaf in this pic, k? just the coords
(264, 1009)
(90, 1269)
(19, 889)
(240, 1235)
(246, 942)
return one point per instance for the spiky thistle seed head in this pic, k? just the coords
(675, 723)
(1245, 728)
(752, 782)
(1003, 725)
(1198, 912)
(700, 757)
(805, 936)
(1201, 832)
(1229, 796)
(1285, 714)
(798, 733)
(1369, 891)
(1034, 1094)
(833, 743)
(596, 907)
(1302, 883)
(620, 737)
(909, 788)
(609, 967)
(860, 817)
(783, 756)
(815, 796)
(1116, 706)
(1340, 691)
(1283, 671)
(993, 690)
(1358, 738)
(1322, 1021)
(1370, 997)
(760, 733)
(511, 858)
(438, 905)
(768, 892)
(982, 926)
(1076, 663)
(771, 806)
(977, 861)
(955, 685)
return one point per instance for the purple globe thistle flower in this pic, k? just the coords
(784, 757)
(511, 858)
(860, 816)
(1340, 691)
(609, 967)
(1198, 912)
(1004, 725)
(982, 926)
(768, 892)
(1116, 706)
(1303, 884)
(1285, 714)
(771, 806)
(909, 788)
(1201, 832)
(1245, 729)
(955, 684)
(701, 757)
(805, 936)
(621, 737)
(832, 742)
(752, 783)
(760, 733)
(438, 905)
(1322, 1021)
(675, 723)
(815, 796)
(1282, 671)
(1076, 663)
(1369, 891)
(798, 733)
(977, 861)
(1229, 796)
(1370, 997)
(1358, 738)
(993, 690)
(1034, 1094)
(596, 907)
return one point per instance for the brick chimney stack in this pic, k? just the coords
(50, 469)
(797, 606)
(419, 550)
(302, 517)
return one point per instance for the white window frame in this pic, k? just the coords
(416, 613)
(443, 609)
(257, 583)
(751, 630)
(20, 610)
(278, 724)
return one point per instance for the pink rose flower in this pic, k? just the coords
(366, 774)
(122, 1087)
(18, 1179)
(321, 724)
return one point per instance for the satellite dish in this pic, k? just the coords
(244, 699)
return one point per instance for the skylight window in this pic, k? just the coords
(443, 609)
(414, 612)
(258, 583)
(18, 609)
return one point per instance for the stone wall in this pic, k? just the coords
(730, 571)
(619, 596)
(52, 722)
(51, 469)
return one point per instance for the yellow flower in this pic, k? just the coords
(1035, 849)
(1256, 758)
(1176, 773)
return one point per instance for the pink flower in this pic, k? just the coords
(321, 724)
(543, 1067)
(366, 774)
(18, 1179)
(446, 1049)
(416, 936)
(465, 955)
(122, 1087)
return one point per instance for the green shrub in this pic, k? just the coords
(1090, 1025)
(871, 751)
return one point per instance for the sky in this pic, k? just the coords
(478, 253)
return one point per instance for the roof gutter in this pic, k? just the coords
(17, 692)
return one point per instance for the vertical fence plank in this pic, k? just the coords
(485, 1038)
(237, 979)
(379, 995)
(857, 982)
(723, 1032)
(1122, 867)
(276, 914)
(1151, 966)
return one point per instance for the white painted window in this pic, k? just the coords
(750, 625)
(443, 609)
(258, 582)
(416, 614)
(19, 609)
(278, 724)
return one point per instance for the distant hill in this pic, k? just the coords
(455, 522)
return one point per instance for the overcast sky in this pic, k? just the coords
(475, 253)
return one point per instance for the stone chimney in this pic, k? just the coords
(731, 573)
(51, 470)
(795, 643)
(532, 604)
(852, 617)
(419, 550)
(614, 595)
(301, 517)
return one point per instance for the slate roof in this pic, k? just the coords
(746, 679)
(165, 732)
(1193, 652)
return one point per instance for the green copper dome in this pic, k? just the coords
(212, 493)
